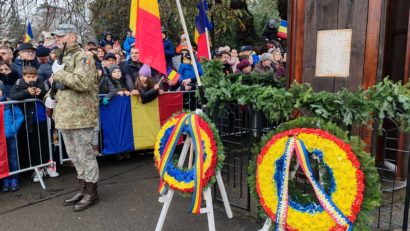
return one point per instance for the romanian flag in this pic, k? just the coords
(149, 34)
(4, 164)
(201, 25)
(29, 34)
(128, 125)
(173, 76)
(283, 29)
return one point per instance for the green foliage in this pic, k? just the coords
(385, 99)
(263, 11)
(372, 193)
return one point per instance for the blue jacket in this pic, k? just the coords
(187, 72)
(18, 66)
(127, 44)
(169, 49)
(13, 119)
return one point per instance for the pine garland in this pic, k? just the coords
(384, 100)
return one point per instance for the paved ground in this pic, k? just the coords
(129, 201)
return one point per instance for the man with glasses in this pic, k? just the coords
(75, 112)
(27, 57)
(6, 54)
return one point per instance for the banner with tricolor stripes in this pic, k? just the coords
(128, 125)
(4, 164)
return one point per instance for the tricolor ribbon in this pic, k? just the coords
(190, 120)
(329, 206)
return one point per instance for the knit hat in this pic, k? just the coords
(42, 51)
(244, 63)
(145, 71)
(265, 56)
(113, 67)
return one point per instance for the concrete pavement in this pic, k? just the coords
(128, 201)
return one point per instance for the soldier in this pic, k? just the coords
(75, 112)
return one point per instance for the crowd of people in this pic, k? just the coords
(26, 72)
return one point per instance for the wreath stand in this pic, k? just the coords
(209, 210)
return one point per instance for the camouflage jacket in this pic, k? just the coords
(77, 104)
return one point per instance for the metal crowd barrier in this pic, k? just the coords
(189, 103)
(33, 138)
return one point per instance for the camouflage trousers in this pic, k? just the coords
(79, 149)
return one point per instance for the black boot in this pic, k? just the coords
(78, 196)
(89, 199)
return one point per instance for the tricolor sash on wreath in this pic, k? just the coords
(295, 145)
(191, 121)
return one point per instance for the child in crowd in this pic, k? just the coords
(106, 88)
(30, 87)
(13, 118)
(234, 60)
(118, 81)
(187, 80)
(147, 88)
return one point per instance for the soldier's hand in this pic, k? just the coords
(121, 93)
(57, 67)
(127, 93)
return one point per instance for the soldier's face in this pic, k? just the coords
(69, 38)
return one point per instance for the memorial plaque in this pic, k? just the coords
(333, 53)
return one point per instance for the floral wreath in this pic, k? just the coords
(338, 196)
(206, 143)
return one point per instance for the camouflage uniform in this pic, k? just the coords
(77, 109)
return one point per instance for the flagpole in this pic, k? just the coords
(208, 44)
(191, 52)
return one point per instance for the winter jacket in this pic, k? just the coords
(169, 49)
(106, 87)
(270, 33)
(13, 119)
(119, 84)
(187, 72)
(130, 70)
(260, 69)
(128, 44)
(148, 95)
(9, 81)
(18, 65)
(44, 72)
(33, 111)
(77, 105)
